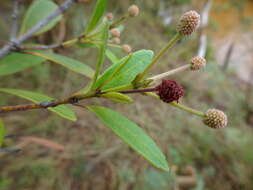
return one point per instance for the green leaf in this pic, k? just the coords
(61, 110)
(96, 15)
(16, 62)
(111, 56)
(133, 135)
(101, 55)
(39, 10)
(136, 64)
(117, 97)
(67, 62)
(2, 132)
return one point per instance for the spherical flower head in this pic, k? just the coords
(133, 11)
(188, 23)
(115, 32)
(215, 119)
(126, 48)
(197, 63)
(169, 91)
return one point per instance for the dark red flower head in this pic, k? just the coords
(169, 91)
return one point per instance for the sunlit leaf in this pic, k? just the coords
(133, 135)
(67, 62)
(39, 10)
(35, 97)
(135, 65)
(16, 62)
(96, 15)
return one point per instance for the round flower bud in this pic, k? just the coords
(133, 10)
(115, 33)
(116, 40)
(169, 91)
(197, 63)
(188, 23)
(215, 119)
(109, 16)
(126, 48)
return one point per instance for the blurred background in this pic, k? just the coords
(93, 157)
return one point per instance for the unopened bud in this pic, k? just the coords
(215, 119)
(133, 11)
(188, 23)
(115, 33)
(109, 16)
(197, 63)
(126, 48)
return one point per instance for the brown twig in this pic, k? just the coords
(70, 100)
(41, 105)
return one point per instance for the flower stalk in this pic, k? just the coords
(170, 72)
(162, 52)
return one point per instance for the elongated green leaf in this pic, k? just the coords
(96, 15)
(67, 62)
(16, 62)
(39, 10)
(117, 97)
(136, 64)
(2, 132)
(104, 37)
(132, 135)
(35, 97)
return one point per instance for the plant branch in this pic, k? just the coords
(171, 72)
(54, 46)
(119, 21)
(14, 16)
(17, 42)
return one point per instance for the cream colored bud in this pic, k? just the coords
(109, 16)
(126, 48)
(115, 33)
(133, 10)
(197, 63)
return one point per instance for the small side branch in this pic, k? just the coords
(17, 42)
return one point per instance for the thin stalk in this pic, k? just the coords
(180, 106)
(162, 52)
(138, 90)
(190, 110)
(171, 72)
(53, 46)
(120, 20)
(101, 56)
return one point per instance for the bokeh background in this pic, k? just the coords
(94, 158)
